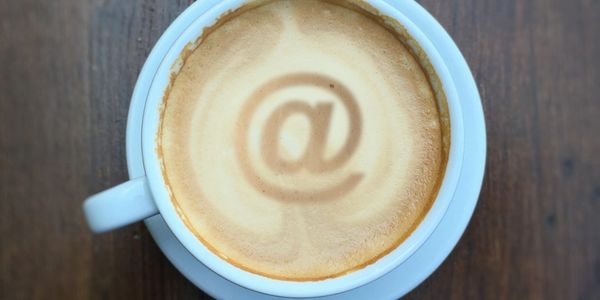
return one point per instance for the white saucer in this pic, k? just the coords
(415, 269)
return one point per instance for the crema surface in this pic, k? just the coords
(301, 140)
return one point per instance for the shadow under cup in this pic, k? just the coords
(450, 118)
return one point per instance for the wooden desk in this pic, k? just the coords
(67, 70)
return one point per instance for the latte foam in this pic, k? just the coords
(302, 140)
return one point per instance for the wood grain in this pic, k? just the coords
(67, 71)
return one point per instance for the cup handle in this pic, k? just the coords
(121, 205)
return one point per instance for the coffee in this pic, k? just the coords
(302, 140)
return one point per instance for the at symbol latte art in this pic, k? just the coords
(312, 159)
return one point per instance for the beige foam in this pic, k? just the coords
(314, 189)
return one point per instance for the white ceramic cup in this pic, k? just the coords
(147, 196)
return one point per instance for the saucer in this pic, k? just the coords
(417, 267)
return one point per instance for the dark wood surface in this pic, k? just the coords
(68, 68)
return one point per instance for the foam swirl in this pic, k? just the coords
(302, 140)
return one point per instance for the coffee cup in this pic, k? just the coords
(150, 195)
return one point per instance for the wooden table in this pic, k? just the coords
(67, 70)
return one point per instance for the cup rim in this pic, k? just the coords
(151, 161)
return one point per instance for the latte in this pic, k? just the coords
(302, 140)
